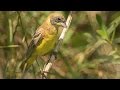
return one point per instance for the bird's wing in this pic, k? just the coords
(37, 38)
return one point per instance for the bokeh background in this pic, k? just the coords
(90, 48)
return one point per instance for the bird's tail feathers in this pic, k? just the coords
(25, 65)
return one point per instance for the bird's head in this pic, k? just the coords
(57, 19)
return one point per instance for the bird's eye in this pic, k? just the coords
(59, 19)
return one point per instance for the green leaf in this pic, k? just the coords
(102, 34)
(113, 25)
(103, 29)
(99, 20)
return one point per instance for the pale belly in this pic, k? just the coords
(46, 46)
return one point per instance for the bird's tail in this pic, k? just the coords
(25, 65)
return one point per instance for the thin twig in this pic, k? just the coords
(52, 58)
(20, 20)
(16, 27)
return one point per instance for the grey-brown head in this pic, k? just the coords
(57, 19)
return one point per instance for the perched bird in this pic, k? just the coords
(44, 39)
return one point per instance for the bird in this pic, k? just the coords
(44, 39)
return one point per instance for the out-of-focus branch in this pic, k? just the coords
(23, 29)
(52, 58)
(81, 57)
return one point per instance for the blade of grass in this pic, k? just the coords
(10, 32)
(103, 27)
(9, 46)
(113, 35)
(114, 24)
(23, 29)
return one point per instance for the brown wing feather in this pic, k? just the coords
(37, 38)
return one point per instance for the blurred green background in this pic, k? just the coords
(90, 48)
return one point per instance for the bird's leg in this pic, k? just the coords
(52, 57)
(55, 54)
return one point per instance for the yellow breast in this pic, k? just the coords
(46, 45)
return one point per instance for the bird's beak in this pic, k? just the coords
(64, 25)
